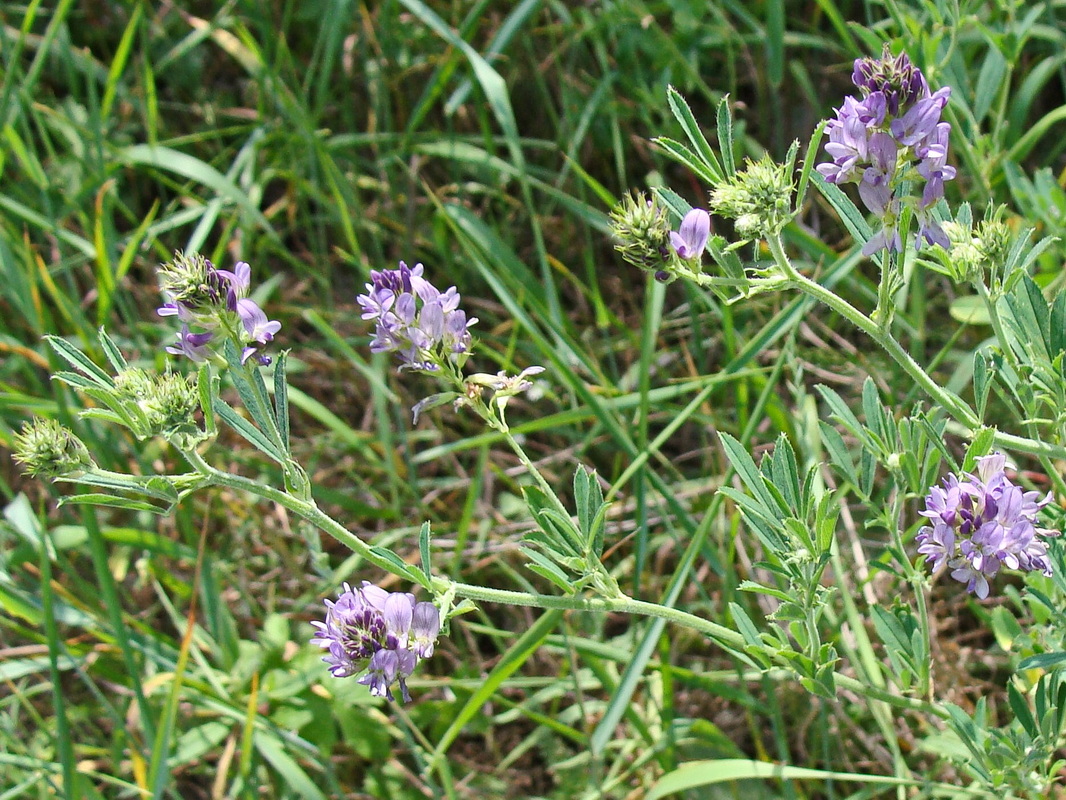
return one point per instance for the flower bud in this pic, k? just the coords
(47, 449)
(171, 403)
(641, 229)
(759, 198)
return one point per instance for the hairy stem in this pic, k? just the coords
(951, 402)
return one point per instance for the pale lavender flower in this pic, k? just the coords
(423, 326)
(878, 198)
(691, 238)
(848, 143)
(258, 330)
(937, 544)
(921, 119)
(385, 633)
(933, 165)
(425, 626)
(983, 523)
(192, 345)
(929, 230)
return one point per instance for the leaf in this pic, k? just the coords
(701, 147)
(852, 218)
(400, 567)
(725, 138)
(1021, 710)
(981, 445)
(591, 510)
(114, 355)
(687, 158)
(433, 401)
(970, 310)
(749, 473)
(785, 472)
(78, 380)
(207, 386)
(808, 164)
(281, 399)
(79, 361)
(249, 385)
(423, 547)
(113, 501)
(982, 383)
(544, 567)
(1029, 318)
(838, 452)
(1042, 661)
(249, 432)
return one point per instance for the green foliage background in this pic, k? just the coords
(321, 138)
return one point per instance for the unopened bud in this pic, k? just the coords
(46, 449)
(641, 229)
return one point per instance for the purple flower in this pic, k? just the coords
(385, 633)
(983, 523)
(690, 240)
(423, 326)
(236, 283)
(933, 165)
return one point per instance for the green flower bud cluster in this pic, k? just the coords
(192, 281)
(47, 449)
(758, 198)
(978, 253)
(641, 229)
(166, 404)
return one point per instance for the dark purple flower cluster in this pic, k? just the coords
(893, 134)
(981, 523)
(385, 633)
(422, 325)
(213, 301)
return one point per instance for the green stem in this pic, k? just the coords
(721, 635)
(306, 509)
(951, 402)
(718, 633)
(886, 291)
(532, 470)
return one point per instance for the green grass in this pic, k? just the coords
(168, 657)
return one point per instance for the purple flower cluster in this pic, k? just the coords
(893, 134)
(422, 325)
(385, 633)
(981, 523)
(211, 300)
